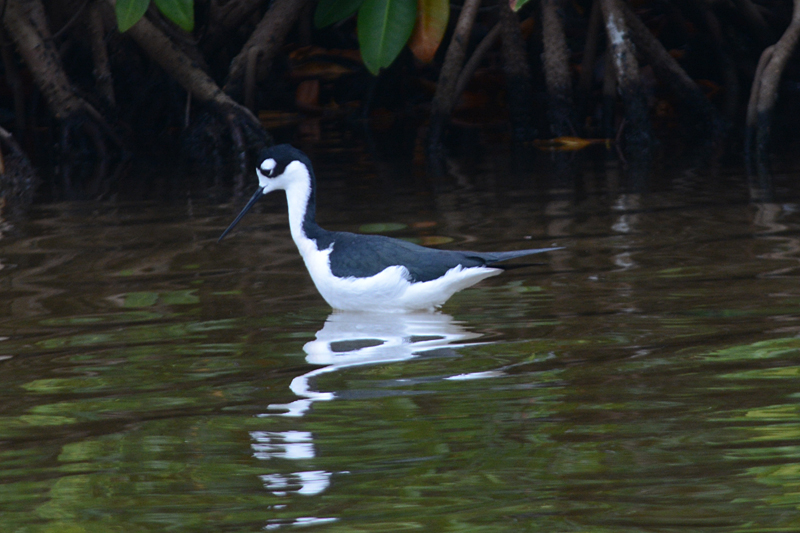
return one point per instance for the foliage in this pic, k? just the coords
(386, 26)
(332, 11)
(516, 5)
(432, 17)
(181, 12)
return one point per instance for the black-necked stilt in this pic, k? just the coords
(366, 272)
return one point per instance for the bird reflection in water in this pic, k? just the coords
(347, 340)
(354, 339)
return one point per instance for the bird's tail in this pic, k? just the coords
(490, 258)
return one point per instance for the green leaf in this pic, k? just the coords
(432, 17)
(516, 5)
(384, 27)
(181, 12)
(332, 11)
(129, 12)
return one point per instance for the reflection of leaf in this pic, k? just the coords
(777, 432)
(758, 350)
(147, 299)
(790, 372)
(779, 475)
(123, 317)
(433, 240)
(82, 384)
(775, 412)
(46, 420)
(140, 299)
(381, 227)
(432, 16)
(184, 297)
(90, 339)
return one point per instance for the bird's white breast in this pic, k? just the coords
(387, 291)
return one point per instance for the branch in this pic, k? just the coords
(267, 38)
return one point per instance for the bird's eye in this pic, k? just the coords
(268, 166)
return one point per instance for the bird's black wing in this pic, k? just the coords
(362, 256)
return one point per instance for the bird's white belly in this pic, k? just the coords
(389, 290)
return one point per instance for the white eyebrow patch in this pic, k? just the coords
(262, 179)
(268, 164)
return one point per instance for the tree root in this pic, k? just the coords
(102, 70)
(18, 179)
(731, 83)
(444, 98)
(668, 70)
(14, 81)
(638, 131)
(519, 86)
(26, 23)
(266, 39)
(41, 57)
(475, 59)
(757, 24)
(589, 57)
(243, 127)
(764, 93)
(556, 70)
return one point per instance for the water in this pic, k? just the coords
(645, 379)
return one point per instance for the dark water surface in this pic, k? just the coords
(645, 378)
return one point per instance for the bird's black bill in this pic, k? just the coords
(259, 193)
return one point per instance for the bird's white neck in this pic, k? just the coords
(300, 202)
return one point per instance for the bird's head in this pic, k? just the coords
(280, 167)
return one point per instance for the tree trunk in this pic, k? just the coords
(638, 132)
(475, 59)
(519, 88)
(589, 58)
(668, 70)
(42, 58)
(607, 126)
(757, 24)
(177, 64)
(102, 71)
(14, 81)
(765, 87)
(445, 97)
(264, 42)
(556, 70)
(224, 18)
(726, 65)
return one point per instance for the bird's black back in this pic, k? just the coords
(363, 256)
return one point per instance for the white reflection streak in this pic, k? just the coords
(294, 445)
(282, 445)
(308, 483)
(626, 224)
(355, 339)
(348, 340)
(302, 521)
(768, 216)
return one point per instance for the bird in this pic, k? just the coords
(359, 272)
